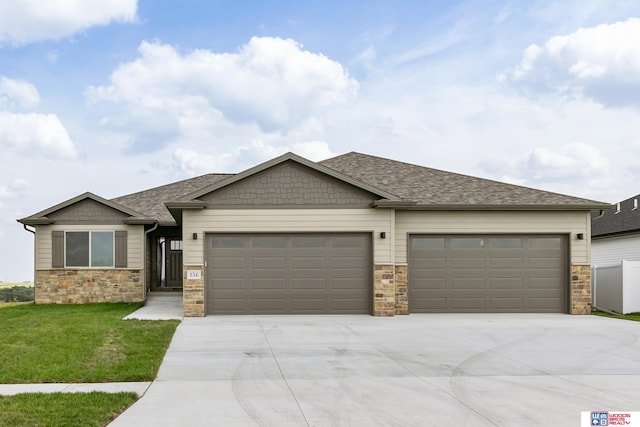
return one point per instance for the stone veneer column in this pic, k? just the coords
(384, 291)
(193, 292)
(580, 289)
(402, 290)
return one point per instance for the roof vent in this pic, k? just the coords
(617, 208)
(635, 204)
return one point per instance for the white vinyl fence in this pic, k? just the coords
(617, 287)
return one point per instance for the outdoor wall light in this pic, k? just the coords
(383, 235)
(195, 236)
(580, 236)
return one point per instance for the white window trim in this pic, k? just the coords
(90, 267)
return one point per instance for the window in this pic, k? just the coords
(89, 249)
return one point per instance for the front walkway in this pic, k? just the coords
(160, 306)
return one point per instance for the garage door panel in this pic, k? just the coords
(508, 263)
(428, 263)
(268, 284)
(227, 283)
(308, 262)
(338, 283)
(467, 283)
(543, 283)
(349, 262)
(230, 306)
(515, 273)
(506, 283)
(467, 304)
(289, 273)
(272, 305)
(429, 283)
(465, 263)
(345, 305)
(319, 284)
(433, 304)
(268, 263)
(506, 304)
(309, 304)
(229, 263)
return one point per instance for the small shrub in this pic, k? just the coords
(17, 294)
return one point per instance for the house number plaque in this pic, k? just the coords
(194, 275)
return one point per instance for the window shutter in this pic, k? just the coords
(57, 249)
(121, 249)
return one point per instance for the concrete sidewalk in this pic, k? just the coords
(421, 369)
(137, 387)
(160, 306)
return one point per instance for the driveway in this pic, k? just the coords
(416, 370)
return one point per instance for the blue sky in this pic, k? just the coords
(115, 96)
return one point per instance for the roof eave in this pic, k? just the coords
(512, 207)
(139, 221)
(36, 221)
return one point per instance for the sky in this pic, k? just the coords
(117, 96)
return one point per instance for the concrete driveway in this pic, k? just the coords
(416, 370)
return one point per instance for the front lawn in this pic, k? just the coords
(80, 343)
(632, 316)
(63, 409)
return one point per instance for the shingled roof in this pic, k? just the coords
(436, 188)
(152, 202)
(420, 187)
(624, 220)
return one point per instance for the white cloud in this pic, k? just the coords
(25, 21)
(39, 134)
(270, 82)
(192, 162)
(602, 62)
(17, 94)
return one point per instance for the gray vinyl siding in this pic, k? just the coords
(289, 185)
(612, 250)
(505, 222)
(286, 220)
(88, 212)
(45, 243)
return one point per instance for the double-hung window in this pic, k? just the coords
(89, 249)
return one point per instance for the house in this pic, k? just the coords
(351, 234)
(615, 233)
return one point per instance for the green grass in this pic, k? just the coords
(80, 343)
(63, 409)
(633, 316)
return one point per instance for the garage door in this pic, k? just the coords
(493, 273)
(288, 273)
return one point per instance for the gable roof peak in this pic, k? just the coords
(289, 156)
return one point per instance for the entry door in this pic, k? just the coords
(174, 263)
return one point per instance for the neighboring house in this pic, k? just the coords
(615, 233)
(351, 234)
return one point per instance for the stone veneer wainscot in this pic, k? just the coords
(88, 286)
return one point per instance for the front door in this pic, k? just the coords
(173, 267)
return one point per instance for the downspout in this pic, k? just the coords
(34, 259)
(146, 233)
